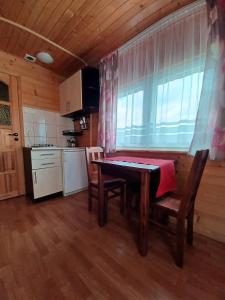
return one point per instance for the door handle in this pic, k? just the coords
(13, 134)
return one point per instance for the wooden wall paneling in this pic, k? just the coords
(90, 135)
(39, 86)
(93, 129)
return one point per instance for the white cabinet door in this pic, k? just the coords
(70, 92)
(74, 171)
(47, 181)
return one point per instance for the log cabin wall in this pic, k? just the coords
(38, 86)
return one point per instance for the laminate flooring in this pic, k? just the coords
(56, 250)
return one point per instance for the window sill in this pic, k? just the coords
(182, 151)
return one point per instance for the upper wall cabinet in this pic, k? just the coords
(80, 93)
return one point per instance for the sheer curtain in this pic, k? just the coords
(108, 102)
(160, 75)
(210, 123)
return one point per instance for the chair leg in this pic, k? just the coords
(89, 199)
(190, 228)
(122, 198)
(180, 245)
(105, 207)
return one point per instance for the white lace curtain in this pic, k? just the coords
(160, 74)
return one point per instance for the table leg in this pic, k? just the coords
(101, 205)
(144, 213)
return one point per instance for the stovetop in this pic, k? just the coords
(43, 146)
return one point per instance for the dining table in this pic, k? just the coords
(144, 174)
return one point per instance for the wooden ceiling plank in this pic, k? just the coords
(22, 19)
(69, 15)
(9, 10)
(89, 28)
(40, 23)
(126, 35)
(52, 20)
(124, 25)
(66, 31)
(129, 20)
(32, 20)
(107, 26)
(90, 14)
(41, 37)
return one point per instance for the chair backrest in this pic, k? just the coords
(93, 153)
(193, 181)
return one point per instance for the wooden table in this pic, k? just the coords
(132, 172)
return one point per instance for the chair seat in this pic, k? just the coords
(169, 203)
(109, 181)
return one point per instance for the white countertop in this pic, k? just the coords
(56, 148)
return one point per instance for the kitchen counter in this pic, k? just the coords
(56, 148)
(50, 170)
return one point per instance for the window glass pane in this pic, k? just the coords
(4, 92)
(130, 110)
(5, 119)
(176, 110)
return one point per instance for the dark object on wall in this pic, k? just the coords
(90, 93)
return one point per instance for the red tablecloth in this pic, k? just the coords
(167, 171)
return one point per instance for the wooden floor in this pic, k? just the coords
(55, 250)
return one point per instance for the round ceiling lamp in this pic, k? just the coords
(45, 57)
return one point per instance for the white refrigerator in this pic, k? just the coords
(74, 171)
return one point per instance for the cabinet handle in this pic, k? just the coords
(47, 164)
(47, 154)
(35, 177)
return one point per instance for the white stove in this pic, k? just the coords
(43, 146)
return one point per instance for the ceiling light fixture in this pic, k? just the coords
(45, 57)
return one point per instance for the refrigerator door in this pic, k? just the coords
(74, 171)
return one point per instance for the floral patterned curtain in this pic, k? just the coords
(210, 124)
(108, 102)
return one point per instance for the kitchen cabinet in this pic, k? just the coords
(47, 181)
(70, 92)
(79, 94)
(52, 170)
(43, 172)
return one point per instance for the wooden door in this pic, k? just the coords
(11, 158)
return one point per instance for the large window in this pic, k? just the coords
(160, 81)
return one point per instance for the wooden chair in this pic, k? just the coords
(182, 207)
(113, 187)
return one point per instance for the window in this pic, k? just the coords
(160, 77)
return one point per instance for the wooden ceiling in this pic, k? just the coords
(88, 28)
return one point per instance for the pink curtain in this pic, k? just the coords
(210, 124)
(108, 102)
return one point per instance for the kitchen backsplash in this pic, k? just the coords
(45, 127)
